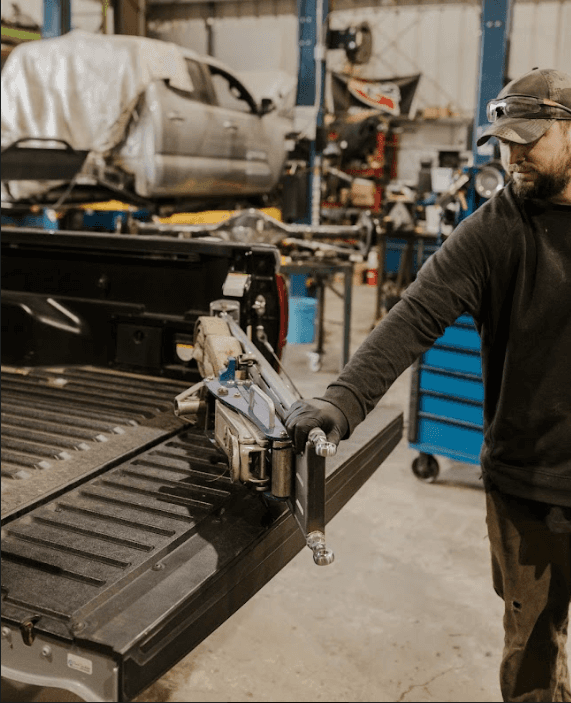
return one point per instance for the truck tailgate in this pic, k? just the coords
(113, 575)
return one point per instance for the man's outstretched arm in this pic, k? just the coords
(452, 282)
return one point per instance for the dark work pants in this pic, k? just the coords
(531, 568)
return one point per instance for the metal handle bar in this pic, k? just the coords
(319, 440)
(271, 406)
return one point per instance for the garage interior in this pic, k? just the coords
(369, 112)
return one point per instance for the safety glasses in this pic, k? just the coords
(523, 106)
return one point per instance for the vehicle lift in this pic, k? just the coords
(484, 176)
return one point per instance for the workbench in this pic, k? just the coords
(323, 273)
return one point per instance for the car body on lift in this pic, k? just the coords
(149, 121)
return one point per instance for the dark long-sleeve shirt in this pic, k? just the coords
(509, 266)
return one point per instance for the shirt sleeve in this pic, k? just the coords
(452, 281)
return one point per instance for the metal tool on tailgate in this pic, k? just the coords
(249, 400)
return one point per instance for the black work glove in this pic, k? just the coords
(304, 415)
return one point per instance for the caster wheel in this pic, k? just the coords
(426, 468)
(314, 361)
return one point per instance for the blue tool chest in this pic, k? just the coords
(446, 403)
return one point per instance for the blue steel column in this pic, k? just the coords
(57, 18)
(311, 78)
(494, 51)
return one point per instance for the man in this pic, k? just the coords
(509, 266)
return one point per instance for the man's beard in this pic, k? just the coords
(546, 186)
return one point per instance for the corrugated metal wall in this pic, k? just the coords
(85, 14)
(541, 36)
(438, 39)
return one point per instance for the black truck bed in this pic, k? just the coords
(124, 541)
(61, 425)
(123, 573)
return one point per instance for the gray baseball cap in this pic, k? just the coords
(542, 84)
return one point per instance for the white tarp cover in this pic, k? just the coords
(280, 86)
(82, 87)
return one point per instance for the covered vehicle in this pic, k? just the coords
(91, 116)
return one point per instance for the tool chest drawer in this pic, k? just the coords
(453, 440)
(446, 407)
(453, 360)
(460, 385)
(460, 336)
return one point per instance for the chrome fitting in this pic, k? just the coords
(321, 555)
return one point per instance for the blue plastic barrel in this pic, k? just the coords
(301, 326)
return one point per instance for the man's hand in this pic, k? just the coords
(304, 415)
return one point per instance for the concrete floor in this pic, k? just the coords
(406, 612)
